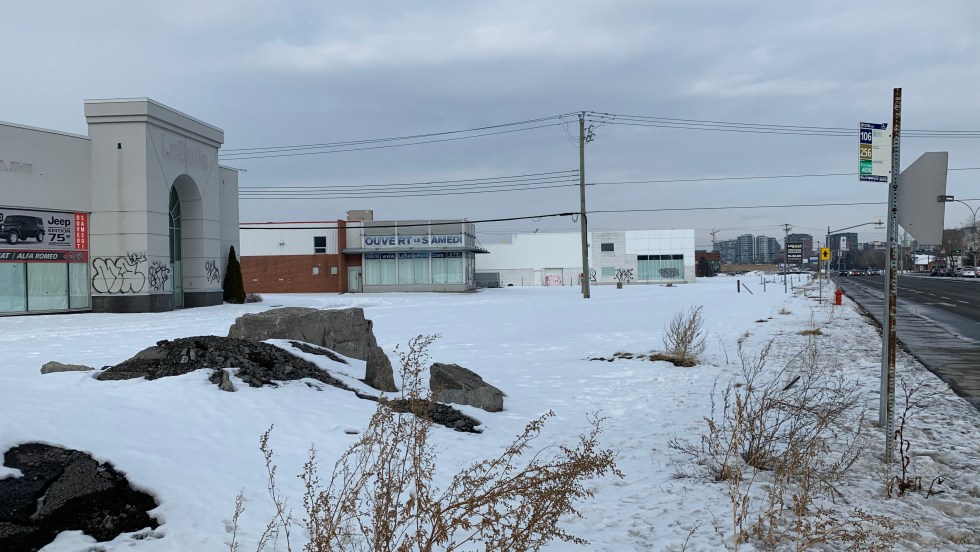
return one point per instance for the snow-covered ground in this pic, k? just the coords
(195, 447)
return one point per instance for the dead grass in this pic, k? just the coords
(381, 495)
(783, 440)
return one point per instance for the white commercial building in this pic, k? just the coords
(631, 257)
(135, 217)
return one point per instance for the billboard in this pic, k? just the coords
(28, 235)
(794, 253)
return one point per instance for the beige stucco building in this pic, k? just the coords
(135, 217)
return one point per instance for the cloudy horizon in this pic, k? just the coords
(300, 73)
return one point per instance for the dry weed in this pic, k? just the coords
(381, 495)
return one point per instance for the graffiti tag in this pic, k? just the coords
(159, 274)
(624, 274)
(211, 269)
(669, 273)
(119, 274)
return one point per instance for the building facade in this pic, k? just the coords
(745, 249)
(359, 255)
(135, 217)
(806, 240)
(555, 259)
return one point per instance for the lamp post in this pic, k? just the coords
(949, 199)
(879, 224)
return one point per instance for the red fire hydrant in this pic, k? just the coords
(837, 296)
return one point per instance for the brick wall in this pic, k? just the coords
(294, 273)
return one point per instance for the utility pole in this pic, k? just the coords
(786, 228)
(584, 220)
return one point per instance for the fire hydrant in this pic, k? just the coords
(837, 296)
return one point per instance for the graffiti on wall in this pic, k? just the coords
(552, 280)
(122, 274)
(624, 274)
(211, 270)
(159, 275)
(669, 273)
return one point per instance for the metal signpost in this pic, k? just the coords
(880, 162)
(825, 263)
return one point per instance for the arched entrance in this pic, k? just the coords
(175, 248)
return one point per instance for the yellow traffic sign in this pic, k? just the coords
(824, 253)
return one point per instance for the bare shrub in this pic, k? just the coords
(793, 428)
(684, 337)
(907, 480)
(253, 298)
(381, 495)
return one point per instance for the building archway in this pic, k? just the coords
(186, 229)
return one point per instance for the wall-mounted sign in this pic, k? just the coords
(38, 256)
(412, 241)
(23, 230)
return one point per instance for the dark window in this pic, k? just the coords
(319, 244)
(606, 247)
(677, 257)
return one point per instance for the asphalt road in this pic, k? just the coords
(937, 322)
(959, 296)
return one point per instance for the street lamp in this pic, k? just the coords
(949, 199)
(879, 224)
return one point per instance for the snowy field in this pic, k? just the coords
(195, 447)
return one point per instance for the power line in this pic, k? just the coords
(662, 209)
(244, 226)
(515, 183)
(762, 128)
(465, 181)
(269, 149)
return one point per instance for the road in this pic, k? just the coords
(937, 322)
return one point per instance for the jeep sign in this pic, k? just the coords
(24, 231)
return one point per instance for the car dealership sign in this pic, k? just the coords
(413, 241)
(30, 235)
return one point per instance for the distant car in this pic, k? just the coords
(938, 272)
(854, 272)
(873, 272)
(968, 272)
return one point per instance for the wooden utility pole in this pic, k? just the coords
(584, 220)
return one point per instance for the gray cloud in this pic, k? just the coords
(302, 72)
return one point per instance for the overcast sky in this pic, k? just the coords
(297, 72)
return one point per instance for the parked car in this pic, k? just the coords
(15, 228)
(938, 272)
(968, 272)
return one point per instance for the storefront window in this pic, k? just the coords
(413, 268)
(660, 267)
(372, 269)
(78, 286)
(47, 286)
(447, 267)
(13, 287)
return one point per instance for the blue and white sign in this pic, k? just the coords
(875, 153)
(412, 241)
